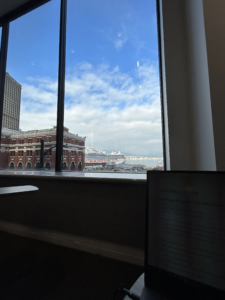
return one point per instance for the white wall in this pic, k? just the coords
(214, 11)
(190, 141)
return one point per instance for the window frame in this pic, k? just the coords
(28, 7)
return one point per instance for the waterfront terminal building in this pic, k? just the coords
(21, 149)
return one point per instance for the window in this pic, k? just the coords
(38, 165)
(20, 153)
(20, 166)
(11, 166)
(112, 94)
(28, 166)
(112, 56)
(29, 152)
(32, 76)
(73, 166)
(48, 165)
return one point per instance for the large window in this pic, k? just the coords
(112, 96)
(30, 97)
(112, 113)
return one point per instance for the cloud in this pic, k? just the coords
(118, 38)
(102, 99)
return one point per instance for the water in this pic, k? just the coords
(148, 163)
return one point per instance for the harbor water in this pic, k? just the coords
(149, 163)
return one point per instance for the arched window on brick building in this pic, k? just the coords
(11, 166)
(48, 165)
(72, 166)
(20, 166)
(37, 166)
(28, 167)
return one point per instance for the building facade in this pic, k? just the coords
(12, 101)
(21, 150)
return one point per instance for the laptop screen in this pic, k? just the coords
(186, 226)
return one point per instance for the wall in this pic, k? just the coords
(106, 215)
(215, 39)
(188, 115)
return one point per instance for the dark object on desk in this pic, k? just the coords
(17, 189)
(137, 287)
(130, 294)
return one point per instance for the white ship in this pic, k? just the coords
(94, 155)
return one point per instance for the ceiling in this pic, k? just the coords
(7, 6)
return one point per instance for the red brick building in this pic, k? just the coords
(21, 149)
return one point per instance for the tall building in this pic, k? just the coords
(11, 107)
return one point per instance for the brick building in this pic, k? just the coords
(21, 149)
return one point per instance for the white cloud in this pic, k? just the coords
(107, 101)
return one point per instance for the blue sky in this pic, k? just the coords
(112, 84)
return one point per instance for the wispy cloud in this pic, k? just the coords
(117, 37)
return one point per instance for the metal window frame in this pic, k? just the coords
(61, 86)
(3, 60)
(21, 10)
(162, 87)
(5, 23)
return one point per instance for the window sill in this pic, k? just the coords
(75, 175)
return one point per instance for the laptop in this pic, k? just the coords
(185, 236)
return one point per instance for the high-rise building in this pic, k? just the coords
(11, 106)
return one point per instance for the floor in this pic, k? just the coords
(31, 269)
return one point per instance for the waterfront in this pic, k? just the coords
(149, 163)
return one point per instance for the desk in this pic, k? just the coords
(17, 189)
(137, 286)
